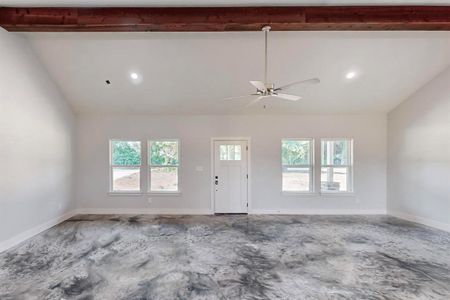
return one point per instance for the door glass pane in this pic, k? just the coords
(295, 152)
(230, 152)
(126, 153)
(126, 179)
(163, 179)
(334, 179)
(296, 179)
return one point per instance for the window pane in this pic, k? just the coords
(163, 179)
(164, 153)
(296, 179)
(340, 153)
(126, 179)
(295, 152)
(335, 152)
(334, 179)
(126, 153)
(230, 152)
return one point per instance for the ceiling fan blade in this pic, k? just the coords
(287, 97)
(254, 101)
(308, 81)
(259, 85)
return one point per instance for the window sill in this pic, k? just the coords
(299, 194)
(125, 194)
(163, 194)
(338, 194)
(140, 194)
(322, 194)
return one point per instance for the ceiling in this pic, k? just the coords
(189, 73)
(129, 3)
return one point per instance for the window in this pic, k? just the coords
(297, 165)
(337, 165)
(230, 152)
(163, 164)
(125, 166)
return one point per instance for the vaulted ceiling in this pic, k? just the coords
(189, 73)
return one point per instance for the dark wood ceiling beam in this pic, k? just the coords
(227, 18)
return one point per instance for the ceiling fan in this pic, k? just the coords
(266, 89)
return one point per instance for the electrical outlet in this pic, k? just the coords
(149, 200)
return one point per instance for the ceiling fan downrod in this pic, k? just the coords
(265, 88)
(266, 30)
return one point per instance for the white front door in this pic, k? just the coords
(230, 176)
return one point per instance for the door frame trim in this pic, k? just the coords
(249, 185)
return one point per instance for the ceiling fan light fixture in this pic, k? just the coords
(265, 88)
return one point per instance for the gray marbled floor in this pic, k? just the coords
(230, 257)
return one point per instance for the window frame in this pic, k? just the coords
(112, 166)
(150, 165)
(310, 166)
(349, 167)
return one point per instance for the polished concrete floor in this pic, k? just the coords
(230, 257)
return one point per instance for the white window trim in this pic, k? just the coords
(149, 166)
(311, 168)
(111, 167)
(350, 186)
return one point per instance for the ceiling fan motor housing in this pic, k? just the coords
(267, 89)
(270, 87)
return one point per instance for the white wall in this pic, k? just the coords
(419, 155)
(36, 139)
(266, 132)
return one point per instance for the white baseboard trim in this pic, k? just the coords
(317, 212)
(421, 220)
(177, 211)
(15, 240)
(143, 211)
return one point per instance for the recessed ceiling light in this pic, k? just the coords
(134, 76)
(350, 75)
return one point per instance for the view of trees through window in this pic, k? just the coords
(163, 165)
(335, 152)
(296, 165)
(164, 153)
(295, 152)
(126, 153)
(336, 166)
(125, 165)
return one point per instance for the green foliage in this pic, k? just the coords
(295, 152)
(339, 155)
(164, 153)
(126, 153)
